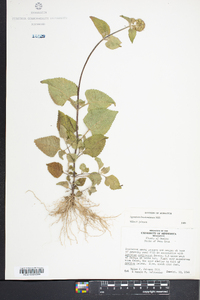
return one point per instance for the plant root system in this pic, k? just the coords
(71, 210)
(76, 214)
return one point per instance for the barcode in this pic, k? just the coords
(31, 271)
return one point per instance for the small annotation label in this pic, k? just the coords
(38, 36)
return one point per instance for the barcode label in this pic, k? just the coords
(31, 271)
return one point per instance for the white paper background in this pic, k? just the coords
(153, 145)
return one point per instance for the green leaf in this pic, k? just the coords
(100, 120)
(83, 168)
(48, 145)
(55, 169)
(80, 145)
(60, 89)
(113, 43)
(94, 144)
(97, 99)
(79, 194)
(130, 20)
(132, 34)
(74, 103)
(61, 153)
(71, 157)
(66, 126)
(95, 178)
(112, 182)
(102, 27)
(105, 170)
(72, 142)
(65, 184)
(80, 181)
(63, 132)
(66, 121)
(99, 162)
(92, 190)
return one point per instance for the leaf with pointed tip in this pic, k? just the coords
(102, 27)
(94, 144)
(72, 157)
(126, 18)
(113, 43)
(99, 120)
(99, 162)
(112, 182)
(98, 99)
(66, 126)
(95, 178)
(60, 89)
(48, 145)
(105, 170)
(132, 34)
(80, 181)
(66, 121)
(61, 153)
(83, 168)
(55, 169)
(65, 184)
(130, 20)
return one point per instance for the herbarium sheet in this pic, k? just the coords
(103, 139)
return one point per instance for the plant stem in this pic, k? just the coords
(78, 94)
(79, 84)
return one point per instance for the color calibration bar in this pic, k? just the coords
(124, 287)
(82, 287)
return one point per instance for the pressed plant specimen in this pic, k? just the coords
(79, 182)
